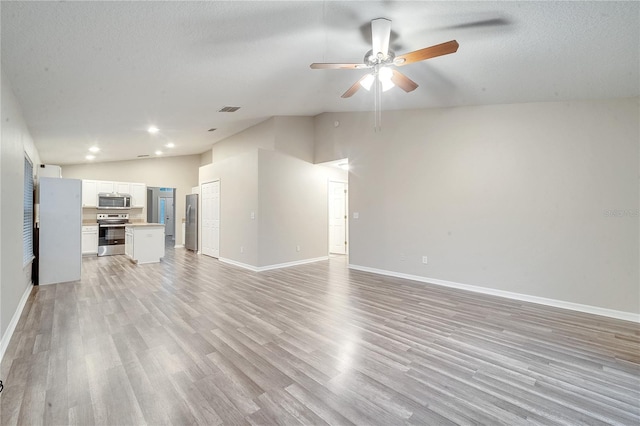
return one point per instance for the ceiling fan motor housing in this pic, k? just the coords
(372, 60)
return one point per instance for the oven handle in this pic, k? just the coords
(115, 225)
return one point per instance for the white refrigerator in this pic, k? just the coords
(60, 230)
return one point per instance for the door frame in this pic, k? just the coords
(172, 228)
(346, 210)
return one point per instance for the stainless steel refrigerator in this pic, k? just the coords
(60, 223)
(191, 223)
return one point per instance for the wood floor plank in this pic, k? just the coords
(192, 340)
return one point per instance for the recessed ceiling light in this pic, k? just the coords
(90, 157)
(94, 149)
(153, 130)
(158, 152)
(170, 145)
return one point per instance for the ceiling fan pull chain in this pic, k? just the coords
(377, 104)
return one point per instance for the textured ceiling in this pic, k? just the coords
(99, 73)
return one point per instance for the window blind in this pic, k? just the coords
(27, 221)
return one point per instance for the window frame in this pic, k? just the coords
(28, 208)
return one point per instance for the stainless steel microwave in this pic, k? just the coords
(114, 201)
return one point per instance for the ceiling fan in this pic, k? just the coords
(381, 59)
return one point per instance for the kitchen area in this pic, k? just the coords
(131, 209)
(114, 223)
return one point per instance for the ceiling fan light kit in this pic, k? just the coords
(384, 76)
(381, 60)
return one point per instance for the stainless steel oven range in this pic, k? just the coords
(111, 233)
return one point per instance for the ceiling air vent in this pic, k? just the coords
(229, 109)
(212, 129)
(143, 156)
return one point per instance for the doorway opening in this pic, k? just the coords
(161, 209)
(338, 206)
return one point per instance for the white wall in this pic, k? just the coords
(293, 204)
(508, 197)
(288, 197)
(259, 136)
(16, 140)
(294, 136)
(252, 174)
(238, 198)
(170, 172)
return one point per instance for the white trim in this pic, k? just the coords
(275, 266)
(6, 337)
(179, 246)
(295, 263)
(596, 310)
(238, 264)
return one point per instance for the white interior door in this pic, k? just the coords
(338, 235)
(210, 196)
(168, 217)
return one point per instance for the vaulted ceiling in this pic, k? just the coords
(99, 73)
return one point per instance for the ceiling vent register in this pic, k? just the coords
(229, 109)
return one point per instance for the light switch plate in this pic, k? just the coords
(356, 215)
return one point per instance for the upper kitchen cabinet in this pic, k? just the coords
(91, 189)
(122, 187)
(89, 193)
(105, 186)
(138, 194)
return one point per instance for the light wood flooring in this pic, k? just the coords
(195, 341)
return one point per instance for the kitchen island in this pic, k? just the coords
(144, 242)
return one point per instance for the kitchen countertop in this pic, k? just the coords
(142, 224)
(89, 223)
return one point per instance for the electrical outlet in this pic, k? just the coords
(424, 259)
(253, 215)
(241, 249)
(403, 257)
(297, 248)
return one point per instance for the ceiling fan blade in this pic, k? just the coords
(380, 35)
(427, 53)
(353, 89)
(325, 66)
(403, 82)
(481, 23)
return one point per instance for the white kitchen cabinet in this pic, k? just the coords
(128, 242)
(105, 186)
(89, 193)
(91, 189)
(138, 195)
(144, 242)
(89, 239)
(122, 187)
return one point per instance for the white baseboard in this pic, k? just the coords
(238, 264)
(275, 266)
(596, 310)
(6, 338)
(295, 263)
(178, 246)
